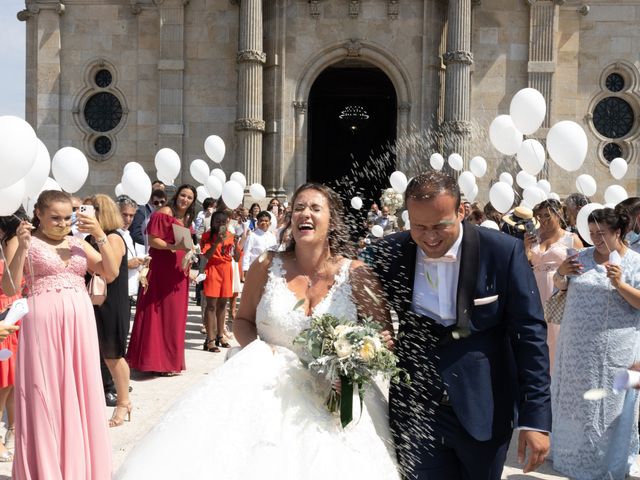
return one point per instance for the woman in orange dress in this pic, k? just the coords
(218, 247)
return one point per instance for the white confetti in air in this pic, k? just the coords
(594, 394)
(372, 295)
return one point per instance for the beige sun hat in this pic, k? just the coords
(519, 217)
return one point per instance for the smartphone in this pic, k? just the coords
(530, 228)
(87, 210)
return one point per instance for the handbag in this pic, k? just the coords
(97, 289)
(554, 307)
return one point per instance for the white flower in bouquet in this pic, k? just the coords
(343, 347)
(392, 199)
(370, 346)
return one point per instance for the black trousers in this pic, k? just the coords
(451, 453)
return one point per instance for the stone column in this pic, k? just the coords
(43, 95)
(300, 145)
(171, 77)
(458, 60)
(250, 124)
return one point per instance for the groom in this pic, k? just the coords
(472, 336)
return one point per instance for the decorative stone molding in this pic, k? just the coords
(251, 56)
(458, 56)
(457, 127)
(27, 13)
(404, 107)
(250, 124)
(300, 107)
(314, 8)
(393, 8)
(353, 47)
(354, 8)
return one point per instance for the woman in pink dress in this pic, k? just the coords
(61, 431)
(157, 337)
(546, 250)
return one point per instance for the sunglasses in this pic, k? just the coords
(159, 202)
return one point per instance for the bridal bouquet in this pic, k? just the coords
(350, 352)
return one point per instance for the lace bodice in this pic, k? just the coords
(45, 270)
(279, 323)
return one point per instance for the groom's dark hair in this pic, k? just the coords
(427, 185)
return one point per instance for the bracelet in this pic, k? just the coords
(101, 242)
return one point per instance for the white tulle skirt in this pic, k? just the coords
(262, 416)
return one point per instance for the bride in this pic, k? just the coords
(262, 414)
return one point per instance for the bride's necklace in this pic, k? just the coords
(319, 275)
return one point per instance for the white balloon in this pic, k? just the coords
(356, 203)
(199, 170)
(615, 194)
(436, 161)
(528, 110)
(217, 172)
(118, 190)
(609, 205)
(618, 168)
(50, 184)
(377, 231)
(239, 178)
(582, 220)
(478, 166)
(201, 193)
(165, 179)
(11, 197)
(167, 163)
(554, 196)
(18, 149)
(471, 196)
(534, 195)
(490, 224)
(257, 191)
(137, 185)
(35, 178)
(466, 182)
(455, 161)
(545, 186)
(501, 196)
(70, 169)
(132, 166)
(232, 194)
(531, 156)
(507, 178)
(586, 185)
(567, 145)
(214, 148)
(398, 181)
(525, 180)
(504, 135)
(29, 202)
(213, 186)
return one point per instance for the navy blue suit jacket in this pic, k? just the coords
(496, 377)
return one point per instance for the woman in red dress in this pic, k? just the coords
(157, 338)
(219, 247)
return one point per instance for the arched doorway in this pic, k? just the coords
(351, 125)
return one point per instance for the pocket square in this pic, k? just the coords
(485, 300)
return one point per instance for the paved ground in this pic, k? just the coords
(152, 396)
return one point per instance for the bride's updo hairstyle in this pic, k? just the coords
(339, 242)
(45, 199)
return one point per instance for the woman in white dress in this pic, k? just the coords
(268, 409)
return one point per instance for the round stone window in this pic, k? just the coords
(611, 150)
(103, 78)
(103, 112)
(102, 145)
(613, 117)
(614, 82)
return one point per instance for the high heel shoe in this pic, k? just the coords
(210, 345)
(222, 342)
(10, 439)
(116, 419)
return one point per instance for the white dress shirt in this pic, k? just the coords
(132, 273)
(435, 285)
(257, 242)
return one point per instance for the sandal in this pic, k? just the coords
(10, 439)
(118, 419)
(222, 342)
(210, 345)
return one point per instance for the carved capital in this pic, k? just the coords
(393, 8)
(354, 8)
(250, 124)
(559, 2)
(404, 107)
(27, 13)
(314, 8)
(456, 127)
(458, 56)
(60, 8)
(353, 47)
(300, 107)
(251, 56)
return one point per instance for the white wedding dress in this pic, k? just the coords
(262, 414)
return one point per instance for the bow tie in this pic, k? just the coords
(446, 258)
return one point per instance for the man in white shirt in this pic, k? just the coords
(134, 262)
(471, 335)
(258, 241)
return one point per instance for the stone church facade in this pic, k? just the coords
(121, 79)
